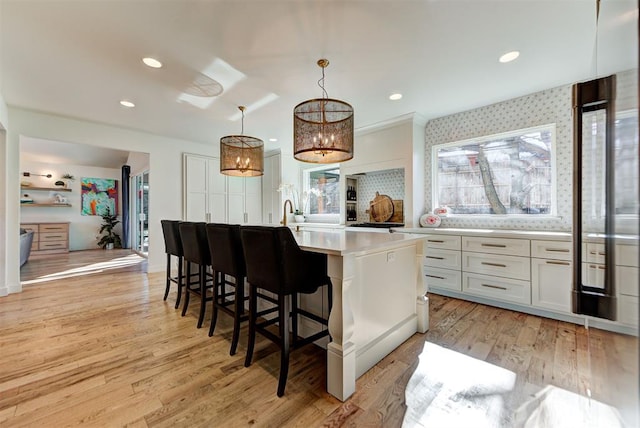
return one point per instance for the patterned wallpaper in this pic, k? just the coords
(541, 108)
(388, 182)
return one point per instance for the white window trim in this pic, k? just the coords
(554, 168)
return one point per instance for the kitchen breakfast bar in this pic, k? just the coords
(379, 298)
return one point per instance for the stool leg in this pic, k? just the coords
(203, 294)
(180, 284)
(239, 308)
(186, 289)
(166, 288)
(294, 318)
(253, 309)
(283, 313)
(214, 301)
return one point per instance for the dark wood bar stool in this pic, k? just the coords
(193, 236)
(173, 247)
(227, 260)
(275, 263)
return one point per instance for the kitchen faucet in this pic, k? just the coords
(284, 211)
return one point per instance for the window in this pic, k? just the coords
(322, 190)
(507, 173)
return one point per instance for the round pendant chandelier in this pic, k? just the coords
(241, 155)
(323, 128)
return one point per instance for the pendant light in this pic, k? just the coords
(323, 128)
(241, 155)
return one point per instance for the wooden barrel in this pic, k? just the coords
(381, 208)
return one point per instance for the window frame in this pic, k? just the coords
(306, 179)
(553, 211)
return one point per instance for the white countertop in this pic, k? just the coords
(343, 242)
(497, 233)
(523, 234)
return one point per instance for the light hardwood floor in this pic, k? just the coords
(91, 342)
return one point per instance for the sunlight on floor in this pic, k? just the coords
(450, 389)
(116, 263)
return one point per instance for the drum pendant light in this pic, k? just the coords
(323, 128)
(241, 155)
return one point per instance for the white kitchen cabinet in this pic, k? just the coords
(627, 284)
(204, 189)
(271, 198)
(244, 198)
(212, 197)
(442, 263)
(551, 275)
(551, 284)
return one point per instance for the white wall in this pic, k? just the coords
(165, 156)
(83, 229)
(139, 162)
(398, 143)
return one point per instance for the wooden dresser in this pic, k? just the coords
(48, 238)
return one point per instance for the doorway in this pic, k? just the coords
(140, 207)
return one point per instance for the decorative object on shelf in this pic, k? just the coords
(110, 239)
(59, 199)
(323, 128)
(442, 211)
(26, 199)
(99, 195)
(430, 220)
(60, 183)
(67, 176)
(29, 174)
(25, 183)
(241, 155)
(299, 218)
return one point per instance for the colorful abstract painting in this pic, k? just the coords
(98, 194)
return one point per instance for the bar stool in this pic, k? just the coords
(193, 236)
(227, 260)
(173, 247)
(275, 263)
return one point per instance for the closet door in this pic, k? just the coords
(217, 193)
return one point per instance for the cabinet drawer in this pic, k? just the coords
(446, 242)
(514, 247)
(555, 250)
(52, 245)
(627, 280)
(52, 236)
(510, 290)
(493, 264)
(54, 227)
(30, 227)
(593, 253)
(627, 255)
(443, 278)
(448, 259)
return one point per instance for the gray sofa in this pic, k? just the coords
(26, 239)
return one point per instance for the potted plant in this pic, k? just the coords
(111, 239)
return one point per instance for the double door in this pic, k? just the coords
(213, 197)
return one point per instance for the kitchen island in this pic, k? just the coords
(379, 298)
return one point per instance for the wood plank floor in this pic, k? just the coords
(91, 342)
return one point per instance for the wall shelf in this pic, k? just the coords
(44, 205)
(51, 189)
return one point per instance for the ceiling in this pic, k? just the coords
(79, 59)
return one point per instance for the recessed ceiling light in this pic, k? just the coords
(509, 56)
(152, 62)
(126, 103)
(395, 97)
(273, 140)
